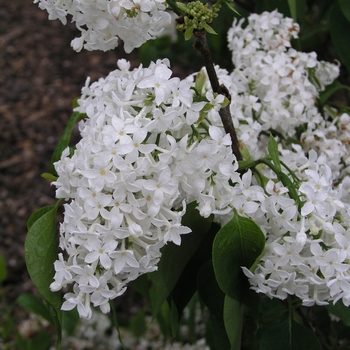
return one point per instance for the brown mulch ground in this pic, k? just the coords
(40, 75)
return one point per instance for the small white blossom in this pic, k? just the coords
(129, 181)
(135, 22)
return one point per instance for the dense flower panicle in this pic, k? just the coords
(276, 86)
(151, 144)
(306, 251)
(331, 138)
(129, 179)
(102, 23)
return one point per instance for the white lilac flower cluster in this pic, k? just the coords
(308, 247)
(102, 22)
(277, 86)
(142, 155)
(331, 137)
(307, 250)
(152, 144)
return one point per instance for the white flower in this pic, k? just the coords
(123, 259)
(63, 274)
(137, 163)
(315, 201)
(307, 247)
(277, 85)
(99, 252)
(86, 274)
(135, 22)
(173, 232)
(79, 300)
(160, 82)
(215, 101)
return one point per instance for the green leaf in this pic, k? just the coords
(246, 164)
(293, 9)
(115, 322)
(231, 7)
(345, 7)
(289, 335)
(35, 305)
(138, 324)
(273, 152)
(201, 79)
(186, 285)
(174, 318)
(207, 107)
(213, 298)
(75, 103)
(293, 193)
(175, 258)
(233, 318)
(208, 28)
(141, 285)
(225, 103)
(164, 319)
(216, 335)
(301, 8)
(38, 214)
(239, 243)
(188, 33)
(210, 292)
(65, 139)
(340, 28)
(40, 251)
(41, 341)
(182, 7)
(70, 320)
(284, 178)
(330, 90)
(48, 176)
(341, 311)
(3, 270)
(245, 153)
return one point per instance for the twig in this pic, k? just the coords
(201, 45)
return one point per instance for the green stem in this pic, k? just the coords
(285, 181)
(204, 126)
(196, 133)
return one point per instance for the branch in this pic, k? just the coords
(202, 46)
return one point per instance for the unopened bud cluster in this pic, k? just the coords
(198, 15)
(200, 12)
